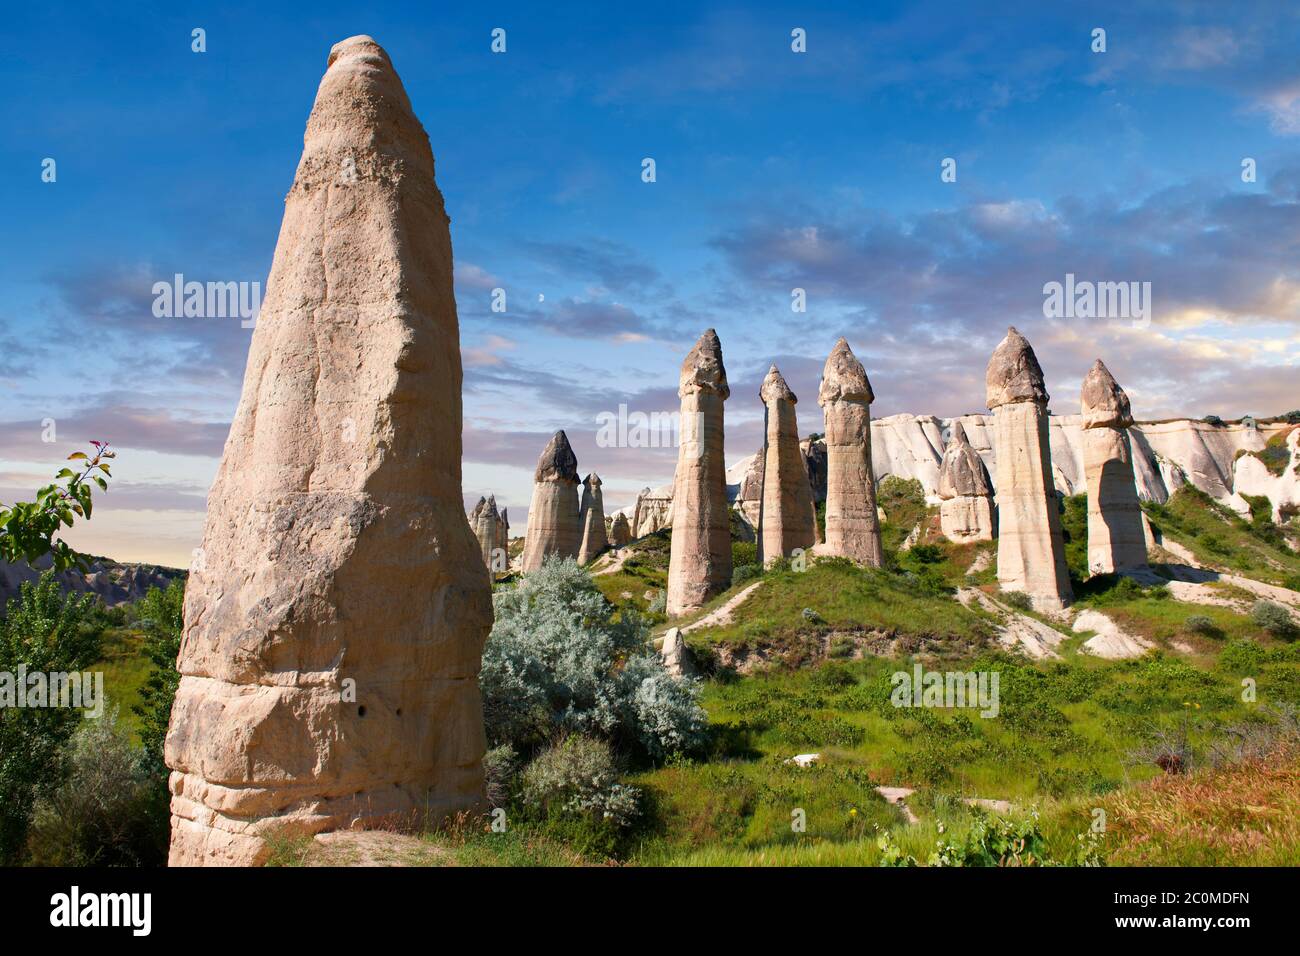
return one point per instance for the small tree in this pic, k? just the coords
(27, 528)
(43, 631)
(161, 615)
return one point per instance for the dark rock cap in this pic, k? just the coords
(557, 462)
(1014, 374)
(844, 378)
(703, 369)
(1104, 403)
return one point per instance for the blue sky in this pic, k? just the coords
(818, 170)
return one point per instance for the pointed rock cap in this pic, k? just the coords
(703, 369)
(962, 472)
(478, 508)
(619, 519)
(362, 112)
(592, 480)
(1104, 402)
(844, 378)
(774, 389)
(1014, 374)
(557, 462)
(490, 509)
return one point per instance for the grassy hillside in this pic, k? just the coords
(1222, 539)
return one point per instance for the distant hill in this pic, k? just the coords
(114, 581)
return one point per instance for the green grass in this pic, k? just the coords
(1220, 538)
(1063, 739)
(125, 668)
(845, 598)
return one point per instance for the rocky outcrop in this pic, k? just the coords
(786, 517)
(852, 527)
(1166, 455)
(700, 558)
(652, 512)
(1031, 547)
(554, 522)
(592, 513)
(816, 460)
(620, 534)
(966, 511)
(1116, 541)
(485, 521)
(677, 657)
(333, 637)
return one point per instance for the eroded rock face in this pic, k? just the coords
(592, 511)
(653, 511)
(486, 522)
(1031, 547)
(334, 630)
(1116, 541)
(966, 510)
(620, 534)
(786, 518)
(554, 522)
(700, 558)
(852, 525)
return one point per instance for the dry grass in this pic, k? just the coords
(1243, 814)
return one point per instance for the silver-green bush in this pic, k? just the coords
(558, 662)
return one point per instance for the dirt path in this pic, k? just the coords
(372, 848)
(616, 564)
(721, 616)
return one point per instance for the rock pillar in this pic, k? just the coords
(700, 558)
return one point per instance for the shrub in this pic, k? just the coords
(1212, 420)
(1018, 600)
(558, 660)
(161, 616)
(43, 631)
(1200, 624)
(925, 554)
(577, 777)
(744, 553)
(745, 572)
(108, 811)
(1292, 417)
(500, 765)
(1273, 618)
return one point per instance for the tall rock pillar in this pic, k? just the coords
(852, 521)
(554, 525)
(594, 539)
(334, 629)
(1031, 547)
(1116, 541)
(699, 564)
(787, 520)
